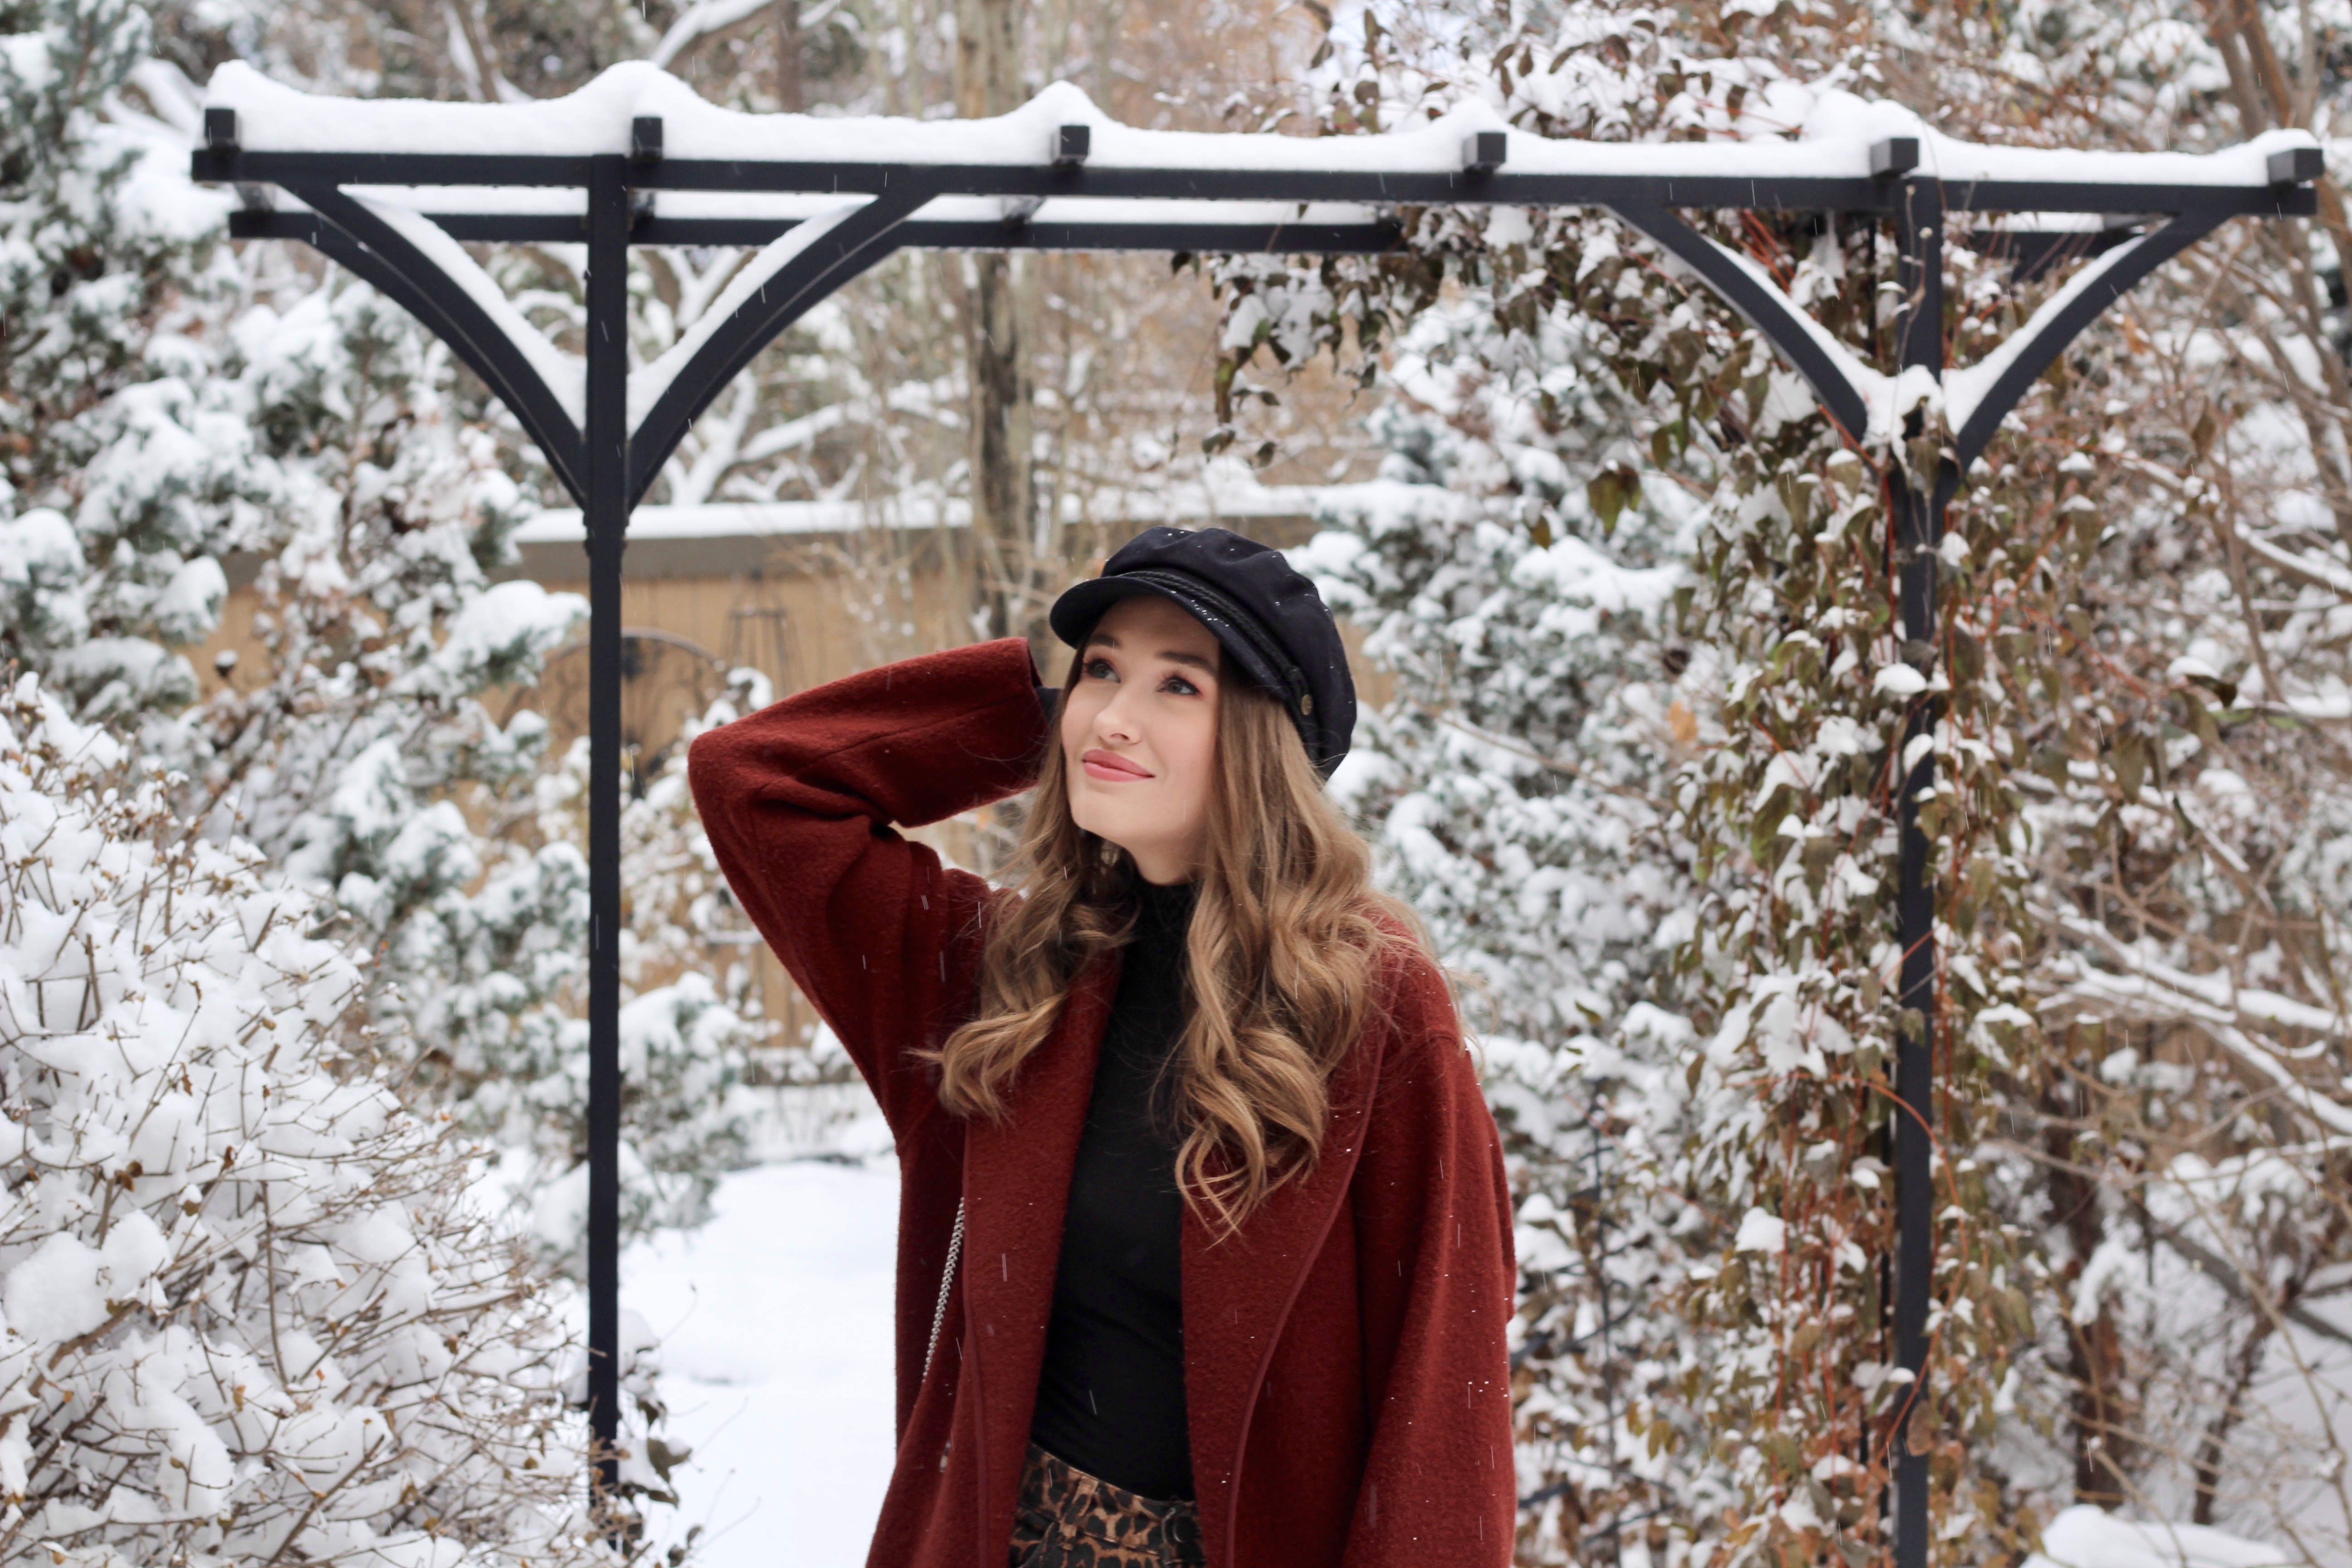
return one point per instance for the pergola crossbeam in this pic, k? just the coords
(344, 227)
(752, 233)
(1402, 187)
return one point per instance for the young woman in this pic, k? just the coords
(1205, 1243)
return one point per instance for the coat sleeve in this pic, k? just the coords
(1436, 1277)
(799, 800)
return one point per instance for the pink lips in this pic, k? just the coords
(1101, 765)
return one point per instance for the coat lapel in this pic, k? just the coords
(1016, 1190)
(1238, 1294)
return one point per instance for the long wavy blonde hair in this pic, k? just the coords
(1285, 952)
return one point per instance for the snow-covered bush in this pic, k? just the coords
(254, 1312)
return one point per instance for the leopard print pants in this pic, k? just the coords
(1068, 1519)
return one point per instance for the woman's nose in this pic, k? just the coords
(1116, 720)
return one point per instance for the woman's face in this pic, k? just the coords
(1139, 734)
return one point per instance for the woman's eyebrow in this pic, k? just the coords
(1173, 656)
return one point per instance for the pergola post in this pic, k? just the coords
(1919, 501)
(606, 511)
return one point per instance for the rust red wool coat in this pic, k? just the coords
(1345, 1355)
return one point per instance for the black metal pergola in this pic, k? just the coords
(389, 190)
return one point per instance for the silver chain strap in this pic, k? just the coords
(947, 1283)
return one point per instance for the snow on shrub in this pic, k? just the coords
(248, 1312)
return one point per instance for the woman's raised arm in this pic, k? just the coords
(799, 800)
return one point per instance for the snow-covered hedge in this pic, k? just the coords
(251, 1312)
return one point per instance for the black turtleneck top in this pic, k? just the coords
(1110, 1399)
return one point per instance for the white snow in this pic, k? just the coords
(1761, 1231)
(535, 201)
(571, 200)
(774, 1321)
(41, 545)
(510, 616)
(1834, 138)
(190, 603)
(1229, 492)
(2087, 1537)
(237, 1240)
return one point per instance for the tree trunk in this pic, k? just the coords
(2099, 1416)
(1008, 582)
(792, 84)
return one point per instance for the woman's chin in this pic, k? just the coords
(1119, 829)
(1113, 829)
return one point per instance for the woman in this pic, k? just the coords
(1205, 1242)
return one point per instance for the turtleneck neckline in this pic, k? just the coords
(1164, 903)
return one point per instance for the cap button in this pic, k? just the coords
(1306, 703)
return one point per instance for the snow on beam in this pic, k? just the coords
(1841, 138)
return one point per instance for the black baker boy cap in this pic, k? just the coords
(1270, 618)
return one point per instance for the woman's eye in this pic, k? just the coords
(1102, 669)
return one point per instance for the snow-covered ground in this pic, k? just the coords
(775, 1328)
(2083, 1537)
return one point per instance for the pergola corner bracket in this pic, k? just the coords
(775, 290)
(1844, 385)
(1979, 396)
(433, 288)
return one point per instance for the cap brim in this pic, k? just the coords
(1074, 614)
